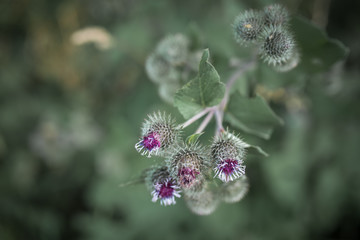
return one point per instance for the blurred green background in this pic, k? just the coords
(72, 100)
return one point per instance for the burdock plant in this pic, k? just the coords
(204, 172)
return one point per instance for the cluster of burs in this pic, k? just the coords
(268, 30)
(171, 64)
(206, 175)
(203, 175)
(176, 58)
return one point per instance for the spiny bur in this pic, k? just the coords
(228, 153)
(234, 191)
(174, 49)
(276, 15)
(248, 26)
(291, 63)
(159, 133)
(202, 203)
(161, 185)
(278, 46)
(159, 70)
(188, 164)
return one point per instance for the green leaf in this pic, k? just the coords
(255, 150)
(193, 138)
(252, 115)
(203, 91)
(318, 51)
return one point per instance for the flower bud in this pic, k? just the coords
(248, 26)
(234, 191)
(162, 186)
(228, 152)
(202, 203)
(158, 134)
(159, 70)
(187, 165)
(276, 16)
(278, 46)
(167, 91)
(174, 49)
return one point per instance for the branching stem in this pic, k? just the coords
(195, 117)
(205, 122)
(218, 110)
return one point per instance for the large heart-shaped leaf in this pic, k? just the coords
(203, 91)
(252, 115)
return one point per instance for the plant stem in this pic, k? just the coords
(205, 122)
(235, 76)
(219, 120)
(195, 117)
(222, 105)
(218, 110)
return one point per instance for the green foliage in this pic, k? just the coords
(193, 138)
(256, 150)
(205, 90)
(318, 51)
(252, 115)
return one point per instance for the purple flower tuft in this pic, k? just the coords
(229, 169)
(166, 191)
(151, 141)
(187, 177)
(149, 144)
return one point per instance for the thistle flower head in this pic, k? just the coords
(159, 70)
(278, 46)
(202, 203)
(162, 186)
(229, 169)
(248, 26)
(158, 134)
(187, 176)
(234, 191)
(228, 152)
(187, 165)
(276, 15)
(174, 49)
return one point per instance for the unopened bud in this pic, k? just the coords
(276, 16)
(159, 70)
(234, 191)
(248, 27)
(278, 46)
(174, 49)
(202, 203)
